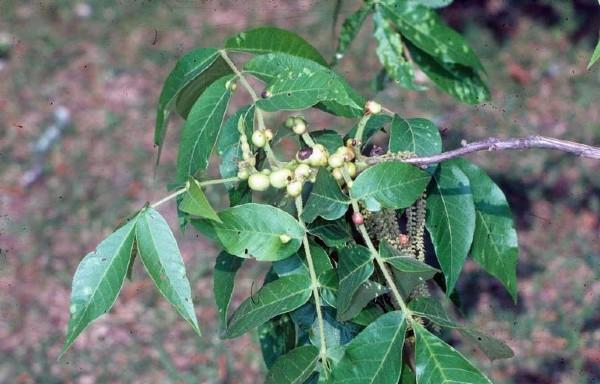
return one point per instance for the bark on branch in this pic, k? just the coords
(494, 144)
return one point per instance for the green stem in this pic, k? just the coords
(315, 285)
(381, 263)
(187, 187)
(308, 140)
(260, 118)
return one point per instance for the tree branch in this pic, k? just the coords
(494, 144)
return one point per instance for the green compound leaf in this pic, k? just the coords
(201, 129)
(294, 367)
(195, 202)
(354, 268)
(350, 28)
(187, 69)
(160, 255)
(294, 83)
(425, 29)
(228, 145)
(364, 294)
(254, 230)
(280, 296)
(461, 82)
(269, 39)
(326, 199)
(450, 220)
(495, 245)
(391, 52)
(226, 268)
(438, 363)
(419, 136)
(374, 356)
(98, 280)
(391, 184)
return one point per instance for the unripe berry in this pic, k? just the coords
(372, 107)
(265, 94)
(281, 178)
(336, 160)
(350, 169)
(258, 182)
(294, 189)
(299, 126)
(269, 134)
(243, 174)
(319, 156)
(358, 218)
(302, 171)
(284, 238)
(351, 143)
(259, 139)
(231, 85)
(289, 122)
(346, 153)
(265, 171)
(337, 174)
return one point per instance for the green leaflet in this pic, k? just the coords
(374, 356)
(269, 39)
(202, 128)
(461, 82)
(595, 56)
(294, 367)
(350, 28)
(294, 83)
(160, 255)
(355, 266)
(226, 268)
(406, 263)
(195, 202)
(391, 184)
(228, 145)
(374, 124)
(433, 3)
(187, 68)
(391, 52)
(98, 280)
(425, 29)
(280, 296)
(254, 230)
(437, 362)
(432, 309)
(495, 245)
(450, 220)
(326, 199)
(419, 136)
(333, 233)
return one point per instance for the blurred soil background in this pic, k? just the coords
(78, 85)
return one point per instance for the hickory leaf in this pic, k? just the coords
(419, 136)
(201, 129)
(195, 202)
(350, 28)
(160, 255)
(98, 280)
(354, 268)
(437, 362)
(280, 296)
(391, 184)
(228, 145)
(495, 245)
(450, 220)
(294, 367)
(270, 39)
(326, 199)
(255, 230)
(226, 268)
(374, 356)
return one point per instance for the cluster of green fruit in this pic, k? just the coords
(293, 174)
